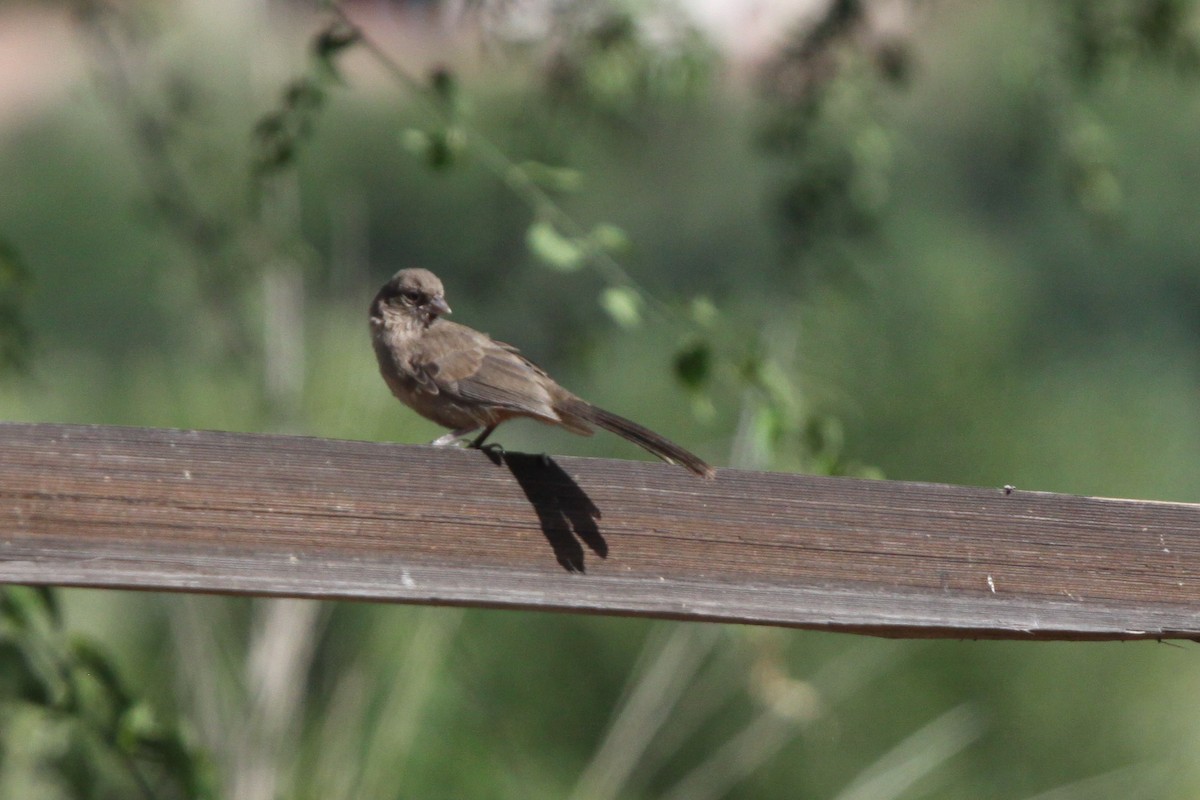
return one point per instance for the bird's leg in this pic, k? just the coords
(453, 436)
(481, 438)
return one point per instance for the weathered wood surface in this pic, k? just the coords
(276, 515)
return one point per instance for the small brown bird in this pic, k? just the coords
(465, 380)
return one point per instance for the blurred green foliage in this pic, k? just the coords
(108, 744)
(965, 253)
(14, 331)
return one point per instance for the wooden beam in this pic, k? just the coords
(280, 515)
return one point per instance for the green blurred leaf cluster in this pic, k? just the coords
(824, 125)
(114, 743)
(280, 133)
(565, 253)
(15, 336)
(1107, 35)
(621, 63)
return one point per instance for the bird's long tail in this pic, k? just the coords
(659, 445)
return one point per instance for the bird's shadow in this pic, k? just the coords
(563, 508)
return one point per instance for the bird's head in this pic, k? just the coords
(411, 295)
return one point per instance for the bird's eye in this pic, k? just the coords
(411, 296)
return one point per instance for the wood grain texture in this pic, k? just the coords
(278, 515)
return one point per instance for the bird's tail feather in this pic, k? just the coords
(658, 445)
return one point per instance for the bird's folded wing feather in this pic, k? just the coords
(463, 363)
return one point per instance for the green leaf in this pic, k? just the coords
(49, 598)
(749, 369)
(276, 145)
(703, 311)
(768, 426)
(446, 146)
(623, 304)
(555, 250)
(18, 677)
(13, 271)
(15, 336)
(703, 407)
(693, 365)
(95, 664)
(443, 84)
(278, 134)
(415, 141)
(439, 149)
(303, 96)
(609, 238)
(26, 607)
(824, 436)
(329, 43)
(137, 726)
(773, 380)
(560, 179)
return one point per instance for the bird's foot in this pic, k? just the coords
(481, 438)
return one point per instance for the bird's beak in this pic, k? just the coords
(438, 304)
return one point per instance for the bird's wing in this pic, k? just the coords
(462, 363)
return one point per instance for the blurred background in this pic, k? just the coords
(938, 241)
